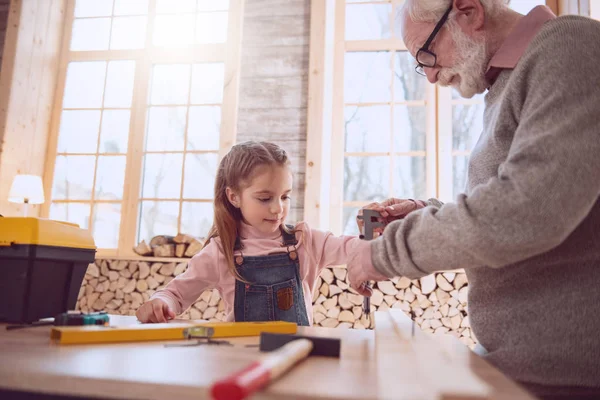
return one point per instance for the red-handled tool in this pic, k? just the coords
(260, 373)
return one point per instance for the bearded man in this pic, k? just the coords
(527, 228)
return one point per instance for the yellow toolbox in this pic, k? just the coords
(42, 265)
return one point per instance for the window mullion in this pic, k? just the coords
(135, 150)
(444, 140)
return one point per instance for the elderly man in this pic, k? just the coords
(527, 229)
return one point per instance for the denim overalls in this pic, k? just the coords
(274, 291)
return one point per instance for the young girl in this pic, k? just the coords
(264, 269)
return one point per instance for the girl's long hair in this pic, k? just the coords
(236, 171)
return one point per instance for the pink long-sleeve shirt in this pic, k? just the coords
(208, 268)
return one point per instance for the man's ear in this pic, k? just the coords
(470, 15)
(232, 197)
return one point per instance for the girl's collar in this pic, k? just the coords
(249, 232)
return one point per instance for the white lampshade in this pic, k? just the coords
(26, 189)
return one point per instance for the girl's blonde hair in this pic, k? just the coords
(236, 171)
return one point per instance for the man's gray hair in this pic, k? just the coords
(432, 10)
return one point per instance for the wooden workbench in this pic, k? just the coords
(149, 370)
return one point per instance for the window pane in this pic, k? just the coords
(409, 128)
(204, 128)
(166, 128)
(408, 85)
(128, 33)
(366, 178)
(157, 218)
(213, 5)
(524, 6)
(77, 213)
(409, 177)
(90, 34)
(459, 172)
(200, 174)
(367, 129)
(211, 27)
(349, 221)
(84, 85)
(178, 6)
(170, 84)
(467, 125)
(207, 83)
(73, 177)
(173, 30)
(196, 218)
(131, 7)
(93, 8)
(368, 21)
(110, 178)
(115, 131)
(106, 221)
(119, 84)
(367, 77)
(78, 131)
(162, 176)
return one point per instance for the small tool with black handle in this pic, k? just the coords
(70, 318)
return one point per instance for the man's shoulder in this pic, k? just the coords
(563, 41)
(572, 29)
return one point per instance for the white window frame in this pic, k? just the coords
(325, 148)
(228, 53)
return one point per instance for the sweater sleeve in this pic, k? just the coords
(543, 190)
(202, 274)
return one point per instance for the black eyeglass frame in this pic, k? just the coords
(425, 47)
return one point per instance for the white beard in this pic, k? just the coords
(471, 64)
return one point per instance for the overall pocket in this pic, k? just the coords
(285, 297)
(275, 302)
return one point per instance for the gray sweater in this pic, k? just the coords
(527, 230)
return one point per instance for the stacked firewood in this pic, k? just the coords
(179, 246)
(438, 302)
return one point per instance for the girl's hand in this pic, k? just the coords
(360, 268)
(154, 310)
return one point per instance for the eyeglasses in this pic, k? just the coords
(425, 57)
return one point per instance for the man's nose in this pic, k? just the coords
(432, 74)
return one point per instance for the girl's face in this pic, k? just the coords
(265, 203)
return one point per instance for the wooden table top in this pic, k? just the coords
(149, 370)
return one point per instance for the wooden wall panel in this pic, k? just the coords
(4, 8)
(27, 84)
(274, 82)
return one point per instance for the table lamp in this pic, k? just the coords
(26, 189)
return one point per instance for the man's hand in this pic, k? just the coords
(390, 210)
(154, 310)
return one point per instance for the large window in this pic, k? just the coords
(137, 127)
(394, 134)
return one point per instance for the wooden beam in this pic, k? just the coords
(425, 366)
(28, 81)
(553, 5)
(314, 130)
(231, 90)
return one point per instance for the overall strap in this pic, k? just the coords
(238, 244)
(289, 239)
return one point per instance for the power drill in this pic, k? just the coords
(69, 318)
